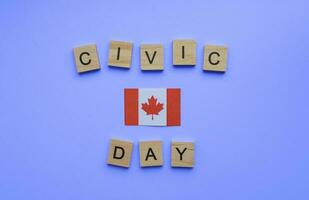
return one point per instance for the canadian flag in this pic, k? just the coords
(152, 106)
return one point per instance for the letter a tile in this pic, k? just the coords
(182, 154)
(120, 153)
(150, 153)
(152, 57)
(86, 58)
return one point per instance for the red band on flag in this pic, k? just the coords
(173, 107)
(131, 106)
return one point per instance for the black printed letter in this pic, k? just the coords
(150, 154)
(118, 53)
(181, 153)
(115, 152)
(153, 56)
(209, 58)
(80, 58)
(183, 52)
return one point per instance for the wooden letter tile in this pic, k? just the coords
(184, 52)
(215, 58)
(120, 54)
(120, 153)
(152, 57)
(182, 154)
(86, 58)
(150, 153)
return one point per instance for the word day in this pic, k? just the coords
(151, 56)
(150, 153)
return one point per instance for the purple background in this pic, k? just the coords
(250, 124)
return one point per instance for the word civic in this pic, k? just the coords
(120, 152)
(151, 56)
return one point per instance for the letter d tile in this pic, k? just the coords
(120, 153)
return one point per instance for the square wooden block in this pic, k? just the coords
(215, 58)
(182, 154)
(184, 52)
(120, 153)
(86, 58)
(120, 54)
(150, 153)
(152, 57)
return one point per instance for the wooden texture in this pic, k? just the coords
(150, 148)
(215, 58)
(152, 57)
(184, 52)
(86, 58)
(120, 153)
(120, 54)
(182, 154)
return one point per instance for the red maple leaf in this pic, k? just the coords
(152, 107)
